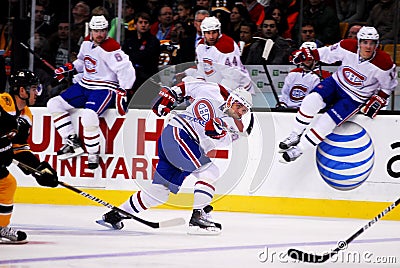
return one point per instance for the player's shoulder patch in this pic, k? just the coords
(382, 60)
(349, 45)
(110, 45)
(225, 44)
(7, 103)
(87, 38)
(297, 70)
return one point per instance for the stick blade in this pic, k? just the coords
(307, 257)
(172, 222)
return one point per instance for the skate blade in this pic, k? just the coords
(78, 152)
(9, 242)
(196, 230)
(108, 225)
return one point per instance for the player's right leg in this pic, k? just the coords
(310, 106)
(8, 186)
(59, 108)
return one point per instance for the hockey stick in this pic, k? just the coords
(45, 62)
(155, 225)
(342, 245)
(267, 49)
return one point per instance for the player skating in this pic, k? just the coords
(363, 81)
(15, 125)
(107, 74)
(218, 58)
(300, 81)
(183, 145)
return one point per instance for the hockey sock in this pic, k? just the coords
(203, 194)
(316, 134)
(62, 122)
(155, 195)
(91, 132)
(310, 106)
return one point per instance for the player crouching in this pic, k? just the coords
(206, 124)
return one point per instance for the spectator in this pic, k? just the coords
(351, 11)
(238, 14)
(163, 26)
(353, 30)
(247, 30)
(128, 12)
(42, 21)
(80, 15)
(382, 18)
(143, 50)
(186, 53)
(278, 14)
(185, 14)
(281, 48)
(326, 23)
(308, 33)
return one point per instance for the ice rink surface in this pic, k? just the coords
(67, 236)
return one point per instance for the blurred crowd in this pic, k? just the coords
(155, 33)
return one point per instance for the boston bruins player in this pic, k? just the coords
(15, 124)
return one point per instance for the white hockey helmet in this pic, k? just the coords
(368, 33)
(210, 24)
(98, 23)
(240, 95)
(310, 45)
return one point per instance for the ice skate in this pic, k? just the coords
(71, 148)
(9, 235)
(112, 220)
(290, 155)
(93, 161)
(290, 141)
(201, 222)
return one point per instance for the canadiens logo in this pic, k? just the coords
(90, 64)
(297, 93)
(208, 67)
(203, 110)
(353, 77)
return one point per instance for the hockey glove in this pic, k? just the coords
(165, 102)
(121, 102)
(60, 71)
(215, 128)
(373, 105)
(303, 55)
(47, 177)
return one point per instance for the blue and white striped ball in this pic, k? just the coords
(346, 157)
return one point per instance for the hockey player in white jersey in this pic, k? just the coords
(107, 75)
(218, 58)
(363, 82)
(301, 80)
(212, 120)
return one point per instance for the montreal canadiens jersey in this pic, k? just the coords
(105, 66)
(221, 64)
(360, 79)
(207, 103)
(298, 84)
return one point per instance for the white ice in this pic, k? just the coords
(67, 236)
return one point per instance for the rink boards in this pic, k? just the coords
(253, 180)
